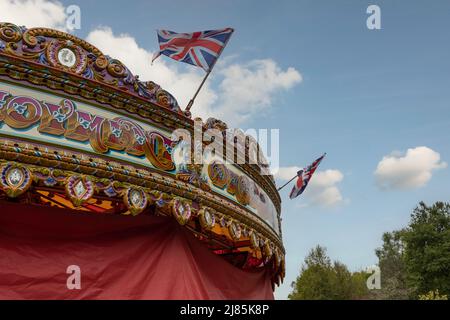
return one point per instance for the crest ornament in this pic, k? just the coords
(79, 189)
(136, 201)
(254, 239)
(268, 249)
(207, 219)
(66, 55)
(181, 210)
(235, 230)
(15, 180)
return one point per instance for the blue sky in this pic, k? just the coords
(363, 94)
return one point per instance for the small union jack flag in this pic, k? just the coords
(200, 48)
(303, 178)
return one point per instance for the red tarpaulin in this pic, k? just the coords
(120, 257)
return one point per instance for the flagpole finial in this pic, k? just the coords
(187, 113)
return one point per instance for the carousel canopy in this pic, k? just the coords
(79, 133)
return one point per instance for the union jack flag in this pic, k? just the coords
(200, 48)
(303, 178)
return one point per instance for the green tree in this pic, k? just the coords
(314, 281)
(392, 267)
(432, 295)
(427, 249)
(320, 279)
(414, 263)
(359, 286)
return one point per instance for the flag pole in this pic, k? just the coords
(284, 185)
(189, 106)
(191, 102)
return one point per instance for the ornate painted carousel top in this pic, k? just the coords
(78, 130)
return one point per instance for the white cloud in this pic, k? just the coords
(286, 173)
(407, 171)
(244, 90)
(249, 89)
(33, 13)
(322, 189)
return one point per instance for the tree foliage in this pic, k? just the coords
(320, 279)
(414, 264)
(393, 271)
(433, 295)
(415, 261)
(427, 249)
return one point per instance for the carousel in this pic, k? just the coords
(91, 180)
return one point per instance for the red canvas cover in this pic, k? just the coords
(120, 257)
